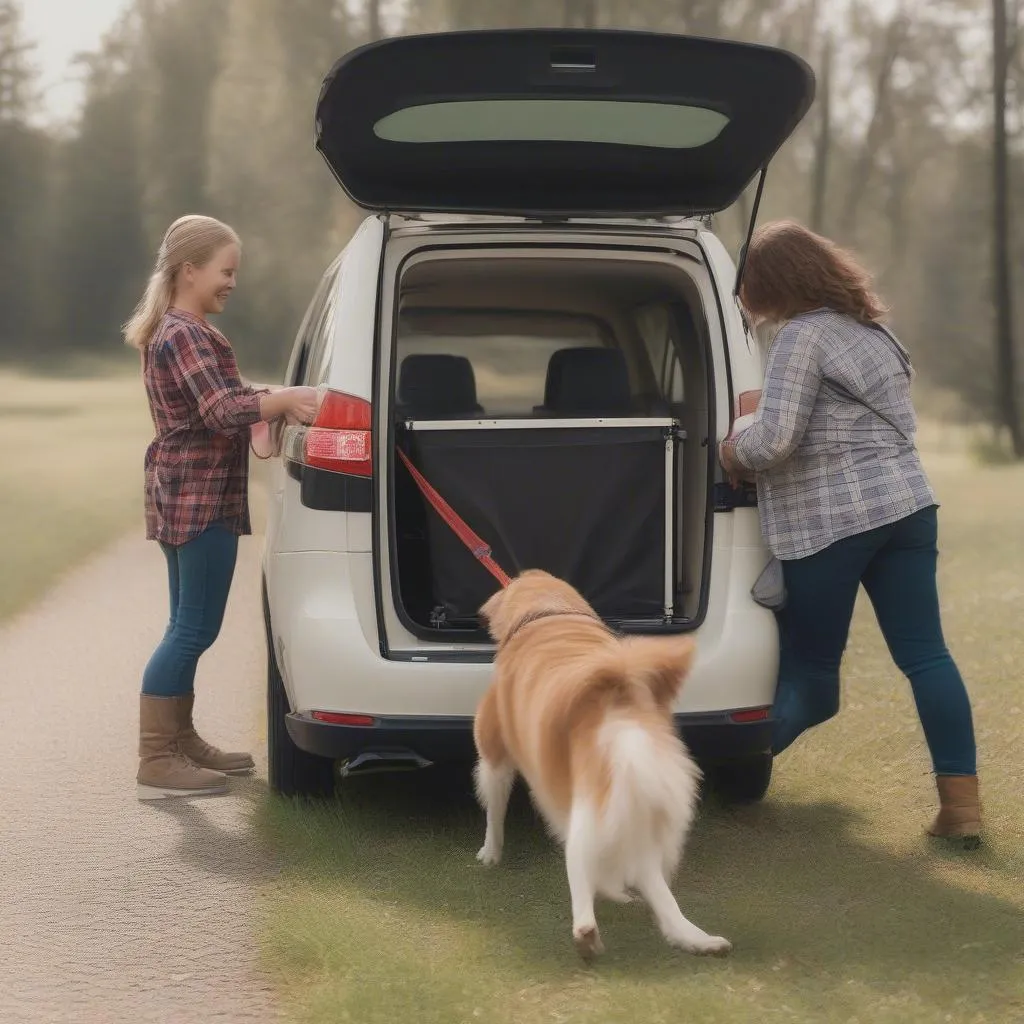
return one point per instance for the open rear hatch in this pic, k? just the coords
(557, 122)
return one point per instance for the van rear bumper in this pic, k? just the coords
(711, 737)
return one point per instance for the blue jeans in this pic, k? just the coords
(199, 573)
(896, 564)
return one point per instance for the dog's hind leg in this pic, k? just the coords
(676, 928)
(581, 867)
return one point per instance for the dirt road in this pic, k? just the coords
(112, 910)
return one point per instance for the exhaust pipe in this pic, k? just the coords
(373, 762)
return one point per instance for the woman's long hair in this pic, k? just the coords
(791, 270)
(192, 239)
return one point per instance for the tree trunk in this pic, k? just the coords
(1006, 380)
(580, 14)
(15, 73)
(823, 143)
(373, 29)
(864, 164)
(702, 17)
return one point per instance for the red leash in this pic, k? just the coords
(481, 550)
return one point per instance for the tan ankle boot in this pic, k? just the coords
(959, 807)
(204, 754)
(163, 769)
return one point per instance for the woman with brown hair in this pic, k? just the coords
(844, 500)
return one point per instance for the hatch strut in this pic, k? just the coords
(750, 229)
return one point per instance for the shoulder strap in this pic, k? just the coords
(898, 345)
(836, 386)
(904, 358)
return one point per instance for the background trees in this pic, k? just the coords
(911, 154)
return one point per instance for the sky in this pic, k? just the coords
(60, 29)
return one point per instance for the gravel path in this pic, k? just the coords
(112, 910)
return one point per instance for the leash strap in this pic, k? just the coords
(480, 549)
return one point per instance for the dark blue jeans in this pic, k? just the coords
(199, 573)
(896, 564)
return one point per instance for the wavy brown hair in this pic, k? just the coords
(791, 270)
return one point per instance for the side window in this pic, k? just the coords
(322, 330)
(309, 346)
(657, 326)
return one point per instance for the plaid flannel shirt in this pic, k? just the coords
(197, 466)
(828, 467)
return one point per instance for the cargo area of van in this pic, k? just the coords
(537, 318)
(559, 402)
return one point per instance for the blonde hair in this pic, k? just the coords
(191, 239)
(791, 270)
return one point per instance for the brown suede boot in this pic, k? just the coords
(163, 769)
(201, 753)
(959, 808)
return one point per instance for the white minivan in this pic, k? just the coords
(536, 321)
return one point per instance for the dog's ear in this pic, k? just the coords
(662, 663)
(490, 613)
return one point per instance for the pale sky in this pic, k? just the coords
(60, 29)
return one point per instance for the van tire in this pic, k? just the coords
(291, 770)
(742, 780)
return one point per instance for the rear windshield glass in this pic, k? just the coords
(616, 122)
(509, 351)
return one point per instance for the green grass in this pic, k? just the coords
(72, 461)
(839, 908)
(992, 449)
(72, 468)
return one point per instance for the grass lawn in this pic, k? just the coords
(838, 907)
(72, 464)
(72, 474)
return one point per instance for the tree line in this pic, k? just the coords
(910, 154)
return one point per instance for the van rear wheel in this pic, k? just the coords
(292, 771)
(742, 780)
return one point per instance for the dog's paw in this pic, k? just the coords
(488, 856)
(709, 945)
(588, 941)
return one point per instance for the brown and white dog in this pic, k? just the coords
(586, 718)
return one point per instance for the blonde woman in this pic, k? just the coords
(844, 500)
(196, 483)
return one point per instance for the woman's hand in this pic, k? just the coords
(303, 403)
(297, 405)
(735, 471)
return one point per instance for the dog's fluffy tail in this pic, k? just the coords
(652, 797)
(653, 782)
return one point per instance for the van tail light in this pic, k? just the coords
(750, 715)
(342, 718)
(338, 440)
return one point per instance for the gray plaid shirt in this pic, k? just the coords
(828, 467)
